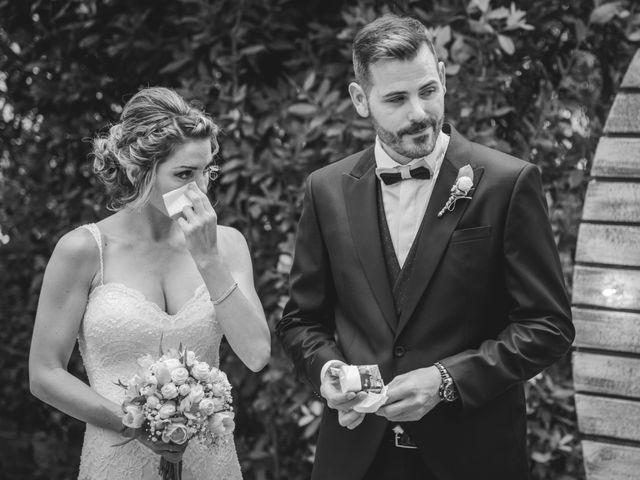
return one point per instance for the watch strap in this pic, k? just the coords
(447, 390)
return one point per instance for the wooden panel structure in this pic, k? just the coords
(605, 461)
(606, 296)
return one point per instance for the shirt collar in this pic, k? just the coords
(434, 159)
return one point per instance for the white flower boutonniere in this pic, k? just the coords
(461, 190)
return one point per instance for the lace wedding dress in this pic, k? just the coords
(118, 327)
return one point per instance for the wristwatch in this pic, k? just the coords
(447, 390)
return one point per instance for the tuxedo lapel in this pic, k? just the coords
(359, 188)
(435, 232)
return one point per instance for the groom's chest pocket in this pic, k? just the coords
(471, 251)
(470, 236)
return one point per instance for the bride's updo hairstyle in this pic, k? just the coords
(153, 123)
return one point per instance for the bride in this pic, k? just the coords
(119, 285)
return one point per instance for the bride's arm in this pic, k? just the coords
(222, 257)
(240, 313)
(62, 302)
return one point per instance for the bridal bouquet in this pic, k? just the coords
(176, 398)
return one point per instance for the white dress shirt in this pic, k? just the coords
(405, 202)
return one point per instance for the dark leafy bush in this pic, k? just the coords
(533, 78)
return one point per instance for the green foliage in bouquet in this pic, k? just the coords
(532, 78)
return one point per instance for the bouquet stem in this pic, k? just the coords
(170, 471)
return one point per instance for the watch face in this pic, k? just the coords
(449, 392)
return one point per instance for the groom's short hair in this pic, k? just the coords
(389, 37)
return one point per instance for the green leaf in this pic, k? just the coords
(605, 12)
(634, 36)
(252, 50)
(452, 69)
(506, 44)
(175, 65)
(310, 80)
(302, 109)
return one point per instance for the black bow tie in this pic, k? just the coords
(391, 175)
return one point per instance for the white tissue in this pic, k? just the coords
(176, 200)
(372, 402)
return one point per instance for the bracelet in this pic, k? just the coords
(226, 294)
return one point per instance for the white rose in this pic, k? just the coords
(197, 393)
(161, 372)
(216, 375)
(190, 358)
(185, 405)
(200, 371)
(167, 410)
(153, 401)
(219, 404)
(217, 390)
(172, 364)
(150, 378)
(179, 375)
(176, 433)
(169, 391)
(148, 390)
(207, 406)
(464, 184)
(133, 417)
(221, 423)
(134, 385)
(184, 390)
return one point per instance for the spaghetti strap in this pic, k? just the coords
(95, 231)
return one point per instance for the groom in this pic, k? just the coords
(456, 294)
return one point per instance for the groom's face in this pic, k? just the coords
(406, 103)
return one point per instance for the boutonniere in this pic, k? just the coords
(461, 190)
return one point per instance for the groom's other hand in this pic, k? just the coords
(411, 395)
(350, 419)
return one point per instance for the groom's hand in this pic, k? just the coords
(343, 402)
(411, 395)
(350, 419)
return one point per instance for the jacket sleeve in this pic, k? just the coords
(539, 329)
(306, 330)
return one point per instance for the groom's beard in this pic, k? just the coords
(411, 147)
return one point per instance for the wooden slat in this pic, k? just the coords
(610, 244)
(607, 330)
(608, 417)
(612, 375)
(624, 116)
(606, 287)
(617, 157)
(612, 202)
(632, 77)
(605, 461)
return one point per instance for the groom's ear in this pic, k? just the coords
(359, 99)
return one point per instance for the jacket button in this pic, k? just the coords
(399, 351)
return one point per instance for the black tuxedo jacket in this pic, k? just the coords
(486, 298)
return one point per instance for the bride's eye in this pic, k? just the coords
(187, 174)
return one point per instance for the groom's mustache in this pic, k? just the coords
(418, 127)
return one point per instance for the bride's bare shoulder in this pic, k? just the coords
(77, 251)
(231, 242)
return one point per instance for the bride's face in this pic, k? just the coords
(190, 162)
